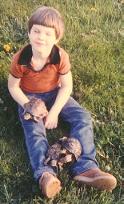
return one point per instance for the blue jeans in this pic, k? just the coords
(81, 128)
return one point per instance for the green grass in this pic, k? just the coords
(94, 39)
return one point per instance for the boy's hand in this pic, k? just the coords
(51, 120)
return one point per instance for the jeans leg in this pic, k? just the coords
(37, 145)
(81, 129)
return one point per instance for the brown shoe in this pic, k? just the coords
(50, 185)
(98, 179)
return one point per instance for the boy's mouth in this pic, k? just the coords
(40, 43)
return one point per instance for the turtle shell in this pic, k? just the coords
(72, 145)
(54, 151)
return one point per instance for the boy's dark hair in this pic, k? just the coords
(47, 16)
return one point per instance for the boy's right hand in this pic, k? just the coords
(35, 109)
(51, 120)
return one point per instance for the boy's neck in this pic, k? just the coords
(39, 56)
(38, 60)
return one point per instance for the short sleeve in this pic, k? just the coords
(15, 69)
(64, 66)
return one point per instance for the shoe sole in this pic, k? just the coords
(51, 188)
(102, 182)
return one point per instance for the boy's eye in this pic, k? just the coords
(36, 31)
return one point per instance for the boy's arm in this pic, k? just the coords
(64, 92)
(61, 99)
(15, 91)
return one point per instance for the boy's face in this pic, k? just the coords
(42, 39)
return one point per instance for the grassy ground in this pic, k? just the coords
(94, 39)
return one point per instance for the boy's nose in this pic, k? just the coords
(41, 36)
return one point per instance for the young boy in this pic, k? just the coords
(42, 70)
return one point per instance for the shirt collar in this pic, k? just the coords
(26, 55)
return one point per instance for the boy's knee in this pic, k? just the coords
(85, 114)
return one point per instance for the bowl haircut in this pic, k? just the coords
(49, 17)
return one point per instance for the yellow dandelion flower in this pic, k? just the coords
(7, 47)
(93, 9)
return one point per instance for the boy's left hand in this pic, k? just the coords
(51, 120)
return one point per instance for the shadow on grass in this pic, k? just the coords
(15, 172)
